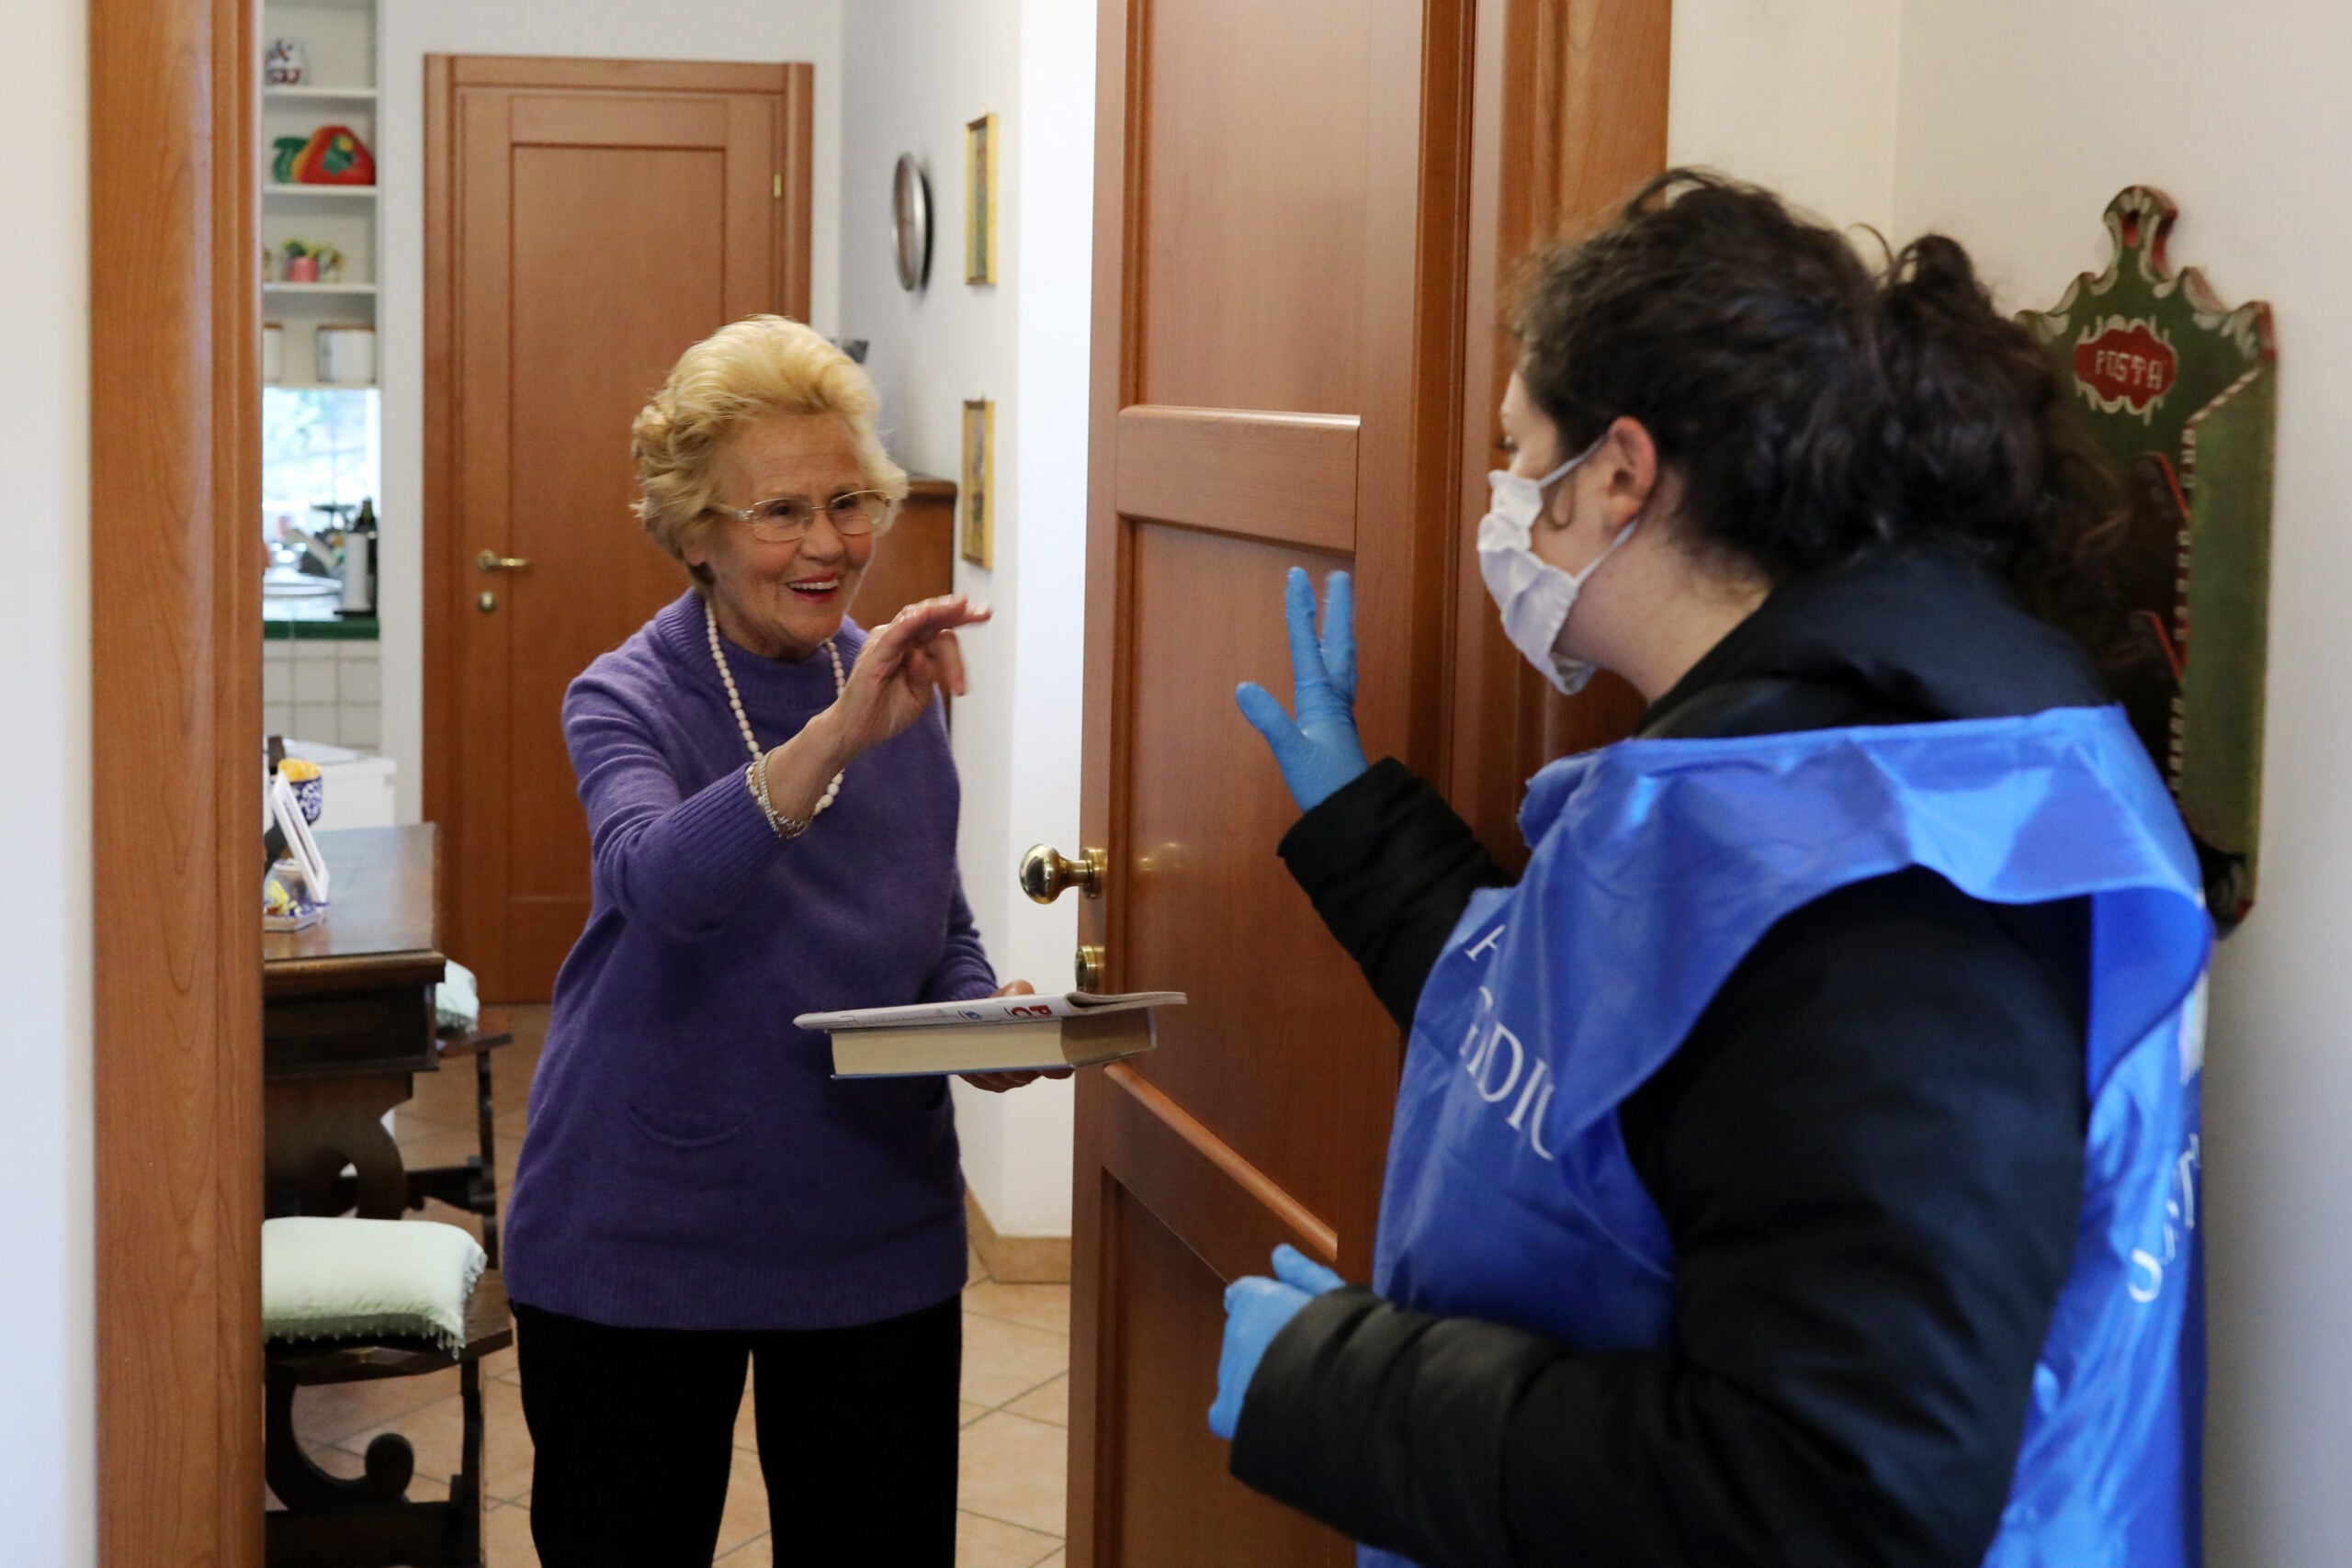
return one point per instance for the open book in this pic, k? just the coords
(993, 1034)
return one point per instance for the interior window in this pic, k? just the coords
(320, 449)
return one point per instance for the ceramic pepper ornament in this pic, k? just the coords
(331, 155)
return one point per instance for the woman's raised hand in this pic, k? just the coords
(1318, 750)
(902, 667)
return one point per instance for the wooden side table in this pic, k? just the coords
(916, 559)
(346, 1023)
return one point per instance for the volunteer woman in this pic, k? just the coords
(1797, 1164)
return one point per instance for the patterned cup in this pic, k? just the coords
(309, 785)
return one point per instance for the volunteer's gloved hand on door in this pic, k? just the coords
(1256, 1308)
(1317, 751)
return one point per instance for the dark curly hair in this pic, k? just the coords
(1814, 410)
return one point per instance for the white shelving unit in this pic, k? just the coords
(354, 291)
(309, 95)
(341, 87)
(322, 441)
(320, 193)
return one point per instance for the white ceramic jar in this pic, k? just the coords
(347, 356)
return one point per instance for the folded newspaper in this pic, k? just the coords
(992, 1034)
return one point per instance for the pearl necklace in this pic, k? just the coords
(735, 698)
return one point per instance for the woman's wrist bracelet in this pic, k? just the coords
(755, 778)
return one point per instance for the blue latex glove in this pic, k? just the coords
(1256, 1308)
(1318, 751)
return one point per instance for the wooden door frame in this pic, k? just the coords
(174, 765)
(447, 560)
(1569, 119)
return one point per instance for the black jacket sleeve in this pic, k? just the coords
(1390, 868)
(1868, 1154)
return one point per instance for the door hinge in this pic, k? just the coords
(776, 186)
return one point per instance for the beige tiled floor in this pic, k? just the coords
(1015, 1410)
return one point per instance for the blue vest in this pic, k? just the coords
(1658, 864)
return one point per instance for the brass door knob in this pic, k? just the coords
(491, 560)
(1091, 962)
(1045, 874)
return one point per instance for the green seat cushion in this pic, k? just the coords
(366, 1280)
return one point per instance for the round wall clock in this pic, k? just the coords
(910, 222)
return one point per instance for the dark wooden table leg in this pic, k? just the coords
(313, 1127)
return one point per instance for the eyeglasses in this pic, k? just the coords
(786, 519)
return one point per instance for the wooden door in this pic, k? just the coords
(1277, 327)
(587, 221)
(1306, 216)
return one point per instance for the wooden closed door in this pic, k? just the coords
(587, 222)
(1277, 331)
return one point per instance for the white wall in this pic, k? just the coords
(47, 1421)
(1791, 93)
(629, 29)
(915, 73)
(2018, 121)
(1054, 142)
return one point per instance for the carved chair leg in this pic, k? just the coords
(301, 1486)
(465, 1487)
(486, 1108)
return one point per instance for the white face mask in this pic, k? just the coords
(1534, 595)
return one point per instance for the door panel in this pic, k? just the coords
(1276, 331)
(620, 122)
(636, 223)
(559, 190)
(1253, 127)
(1250, 1056)
(1276, 476)
(1171, 1313)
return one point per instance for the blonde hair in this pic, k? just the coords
(757, 367)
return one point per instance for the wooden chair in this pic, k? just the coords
(368, 1522)
(471, 1186)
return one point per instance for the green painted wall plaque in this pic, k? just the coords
(2181, 391)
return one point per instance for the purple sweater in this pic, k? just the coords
(690, 1163)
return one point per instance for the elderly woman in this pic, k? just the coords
(772, 808)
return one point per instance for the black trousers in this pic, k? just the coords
(634, 1433)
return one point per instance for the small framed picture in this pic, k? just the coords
(979, 201)
(979, 483)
